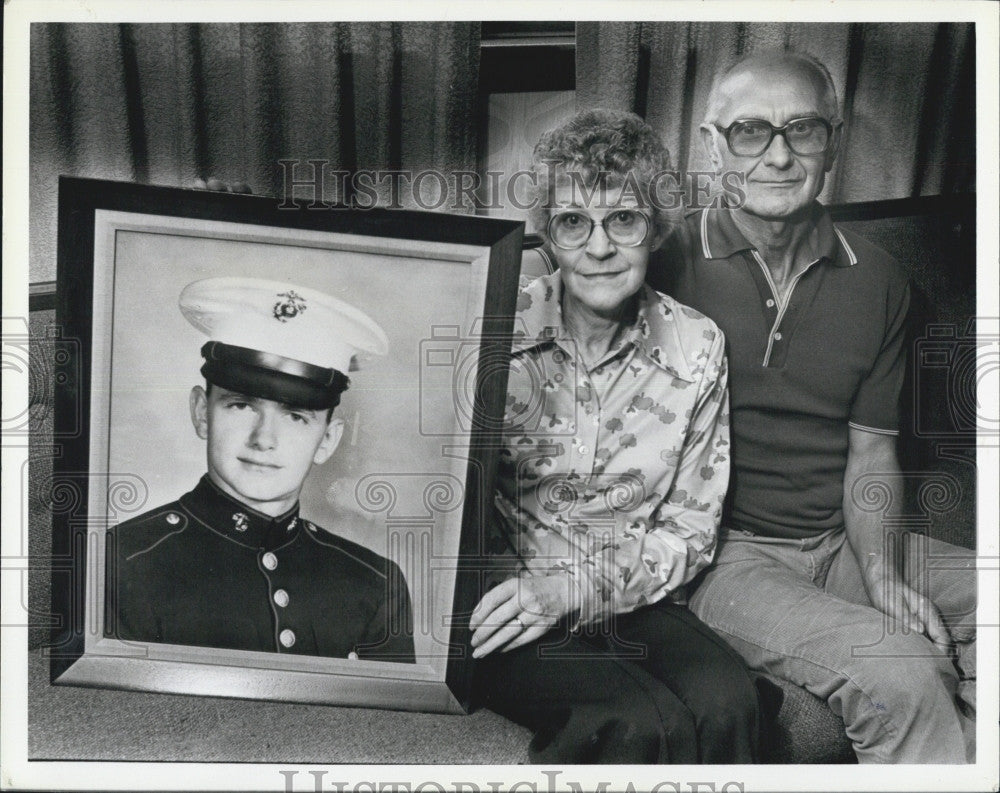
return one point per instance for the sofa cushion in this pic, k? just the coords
(805, 729)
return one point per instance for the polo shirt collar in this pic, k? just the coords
(238, 522)
(720, 238)
(539, 321)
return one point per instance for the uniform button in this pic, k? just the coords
(269, 560)
(281, 597)
(777, 336)
(584, 450)
(173, 518)
(352, 656)
(286, 637)
(769, 303)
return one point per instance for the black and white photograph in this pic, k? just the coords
(254, 434)
(529, 403)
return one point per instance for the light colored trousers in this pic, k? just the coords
(798, 609)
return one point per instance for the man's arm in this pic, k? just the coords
(874, 453)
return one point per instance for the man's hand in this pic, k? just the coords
(894, 597)
(520, 610)
(872, 456)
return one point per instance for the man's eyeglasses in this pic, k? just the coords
(571, 230)
(750, 137)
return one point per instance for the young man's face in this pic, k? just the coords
(260, 451)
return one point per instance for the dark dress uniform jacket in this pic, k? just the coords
(206, 570)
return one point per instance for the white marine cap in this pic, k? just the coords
(278, 340)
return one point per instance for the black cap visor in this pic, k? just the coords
(272, 377)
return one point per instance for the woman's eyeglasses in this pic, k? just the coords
(571, 230)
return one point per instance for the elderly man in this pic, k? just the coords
(805, 585)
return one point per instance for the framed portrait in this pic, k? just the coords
(398, 506)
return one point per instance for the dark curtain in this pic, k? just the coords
(907, 93)
(171, 103)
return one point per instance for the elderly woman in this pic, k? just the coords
(611, 483)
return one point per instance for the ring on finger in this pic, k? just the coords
(520, 622)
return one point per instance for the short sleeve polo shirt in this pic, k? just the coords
(802, 371)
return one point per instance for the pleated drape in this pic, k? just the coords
(171, 103)
(907, 92)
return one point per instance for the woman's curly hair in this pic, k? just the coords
(602, 145)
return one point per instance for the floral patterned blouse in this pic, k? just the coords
(615, 474)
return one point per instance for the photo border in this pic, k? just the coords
(19, 772)
(84, 206)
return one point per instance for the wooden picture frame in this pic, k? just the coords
(413, 484)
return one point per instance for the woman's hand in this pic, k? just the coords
(521, 610)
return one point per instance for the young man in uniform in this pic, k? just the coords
(231, 564)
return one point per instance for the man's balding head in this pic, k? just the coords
(743, 78)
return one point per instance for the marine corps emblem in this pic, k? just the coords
(289, 308)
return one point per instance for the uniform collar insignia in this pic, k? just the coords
(238, 522)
